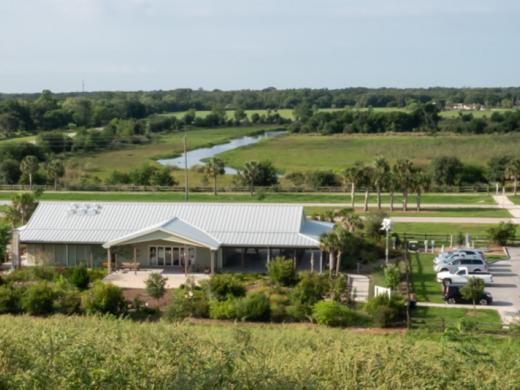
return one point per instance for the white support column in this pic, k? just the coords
(135, 260)
(212, 262)
(321, 262)
(312, 261)
(16, 260)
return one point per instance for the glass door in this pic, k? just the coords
(160, 256)
(168, 261)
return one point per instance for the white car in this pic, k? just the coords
(456, 254)
(462, 276)
(473, 264)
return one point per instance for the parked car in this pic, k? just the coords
(462, 276)
(446, 257)
(452, 294)
(473, 264)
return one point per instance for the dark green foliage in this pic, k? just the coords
(333, 313)
(79, 277)
(373, 222)
(278, 305)
(222, 310)
(392, 276)
(253, 307)
(281, 271)
(386, 311)
(104, 299)
(473, 290)
(187, 303)
(311, 288)
(9, 300)
(67, 302)
(5, 237)
(221, 286)
(446, 170)
(503, 233)
(156, 285)
(38, 299)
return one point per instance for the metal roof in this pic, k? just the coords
(233, 224)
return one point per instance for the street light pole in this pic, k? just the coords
(386, 225)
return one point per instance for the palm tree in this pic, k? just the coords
(380, 176)
(250, 174)
(343, 244)
(391, 184)
(403, 170)
(366, 180)
(513, 173)
(55, 169)
(353, 176)
(420, 183)
(21, 209)
(29, 166)
(213, 168)
(350, 221)
(329, 243)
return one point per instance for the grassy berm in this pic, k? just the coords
(103, 353)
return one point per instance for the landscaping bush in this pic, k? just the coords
(32, 274)
(156, 285)
(503, 233)
(311, 288)
(79, 277)
(253, 307)
(67, 302)
(139, 311)
(222, 286)
(104, 299)
(9, 300)
(281, 271)
(38, 299)
(222, 310)
(386, 311)
(278, 304)
(333, 313)
(186, 303)
(392, 276)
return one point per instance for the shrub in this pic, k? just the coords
(386, 311)
(222, 286)
(392, 276)
(333, 313)
(503, 233)
(156, 285)
(373, 221)
(253, 307)
(104, 299)
(38, 299)
(186, 303)
(278, 304)
(139, 311)
(222, 310)
(299, 311)
(9, 300)
(79, 277)
(32, 274)
(281, 271)
(311, 288)
(67, 302)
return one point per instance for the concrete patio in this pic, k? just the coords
(136, 279)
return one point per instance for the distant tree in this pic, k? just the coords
(55, 170)
(329, 244)
(349, 220)
(214, 167)
(9, 171)
(512, 172)
(420, 183)
(446, 170)
(240, 114)
(22, 206)
(29, 166)
(367, 177)
(354, 176)
(380, 176)
(392, 276)
(258, 174)
(503, 233)
(403, 170)
(497, 169)
(5, 237)
(303, 111)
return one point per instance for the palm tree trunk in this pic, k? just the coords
(366, 200)
(379, 197)
(352, 196)
(55, 183)
(338, 262)
(331, 263)
(392, 200)
(405, 200)
(30, 181)
(418, 201)
(215, 185)
(515, 183)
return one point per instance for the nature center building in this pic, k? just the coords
(206, 237)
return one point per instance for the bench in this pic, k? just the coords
(130, 266)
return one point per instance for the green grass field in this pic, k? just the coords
(104, 353)
(336, 152)
(447, 212)
(423, 277)
(102, 163)
(30, 138)
(441, 228)
(277, 197)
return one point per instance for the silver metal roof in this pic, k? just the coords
(236, 224)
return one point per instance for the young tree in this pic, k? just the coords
(156, 286)
(328, 243)
(403, 170)
(497, 169)
(473, 290)
(420, 183)
(354, 176)
(22, 206)
(55, 170)
(513, 173)
(380, 176)
(29, 166)
(446, 170)
(258, 174)
(213, 168)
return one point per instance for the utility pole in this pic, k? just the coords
(186, 189)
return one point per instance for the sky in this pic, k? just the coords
(254, 44)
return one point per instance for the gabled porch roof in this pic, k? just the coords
(174, 226)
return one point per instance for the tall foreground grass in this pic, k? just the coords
(81, 353)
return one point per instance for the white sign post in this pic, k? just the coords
(386, 225)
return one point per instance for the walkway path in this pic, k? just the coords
(505, 203)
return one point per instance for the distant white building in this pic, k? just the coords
(208, 236)
(468, 107)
